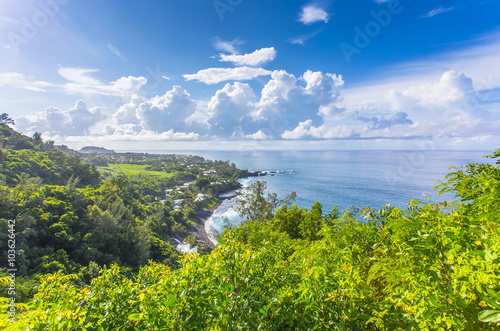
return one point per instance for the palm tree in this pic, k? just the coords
(6, 120)
(37, 138)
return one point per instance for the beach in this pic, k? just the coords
(202, 216)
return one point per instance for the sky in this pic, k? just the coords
(267, 75)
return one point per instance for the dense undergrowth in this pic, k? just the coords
(431, 266)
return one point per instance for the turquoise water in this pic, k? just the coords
(345, 178)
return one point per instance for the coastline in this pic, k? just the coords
(198, 230)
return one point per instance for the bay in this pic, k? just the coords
(345, 178)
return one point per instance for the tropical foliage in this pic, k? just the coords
(432, 266)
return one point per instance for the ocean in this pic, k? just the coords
(344, 178)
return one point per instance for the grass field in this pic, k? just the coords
(135, 170)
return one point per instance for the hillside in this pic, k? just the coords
(71, 214)
(97, 150)
(11, 139)
(433, 266)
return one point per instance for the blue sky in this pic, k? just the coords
(239, 74)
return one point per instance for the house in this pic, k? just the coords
(200, 197)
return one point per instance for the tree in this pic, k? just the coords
(6, 120)
(202, 182)
(288, 220)
(37, 138)
(312, 222)
(256, 206)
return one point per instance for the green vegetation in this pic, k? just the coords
(69, 218)
(52, 167)
(433, 266)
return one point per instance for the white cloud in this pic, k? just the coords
(217, 75)
(325, 87)
(478, 62)
(148, 135)
(227, 46)
(284, 102)
(299, 132)
(169, 111)
(228, 107)
(301, 40)
(78, 75)
(446, 107)
(259, 135)
(311, 14)
(437, 11)
(76, 121)
(18, 80)
(257, 58)
(314, 106)
(234, 112)
(127, 113)
(382, 122)
(83, 83)
(278, 87)
(159, 114)
(80, 82)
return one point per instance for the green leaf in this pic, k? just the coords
(433, 300)
(494, 294)
(135, 317)
(489, 316)
(170, 302)
(492, 302)
(450, 235)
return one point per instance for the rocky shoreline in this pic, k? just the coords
(198, 230)
(255, 174)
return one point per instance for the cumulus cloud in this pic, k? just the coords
(446, 107)
(259, 135)
(127, 113)
(159, 114)
(228, 107)
(452, 96)
(75, 121)
(312, 14)
(324, 87)
(217, 75)
(310, 106)
(299, 132)
(257, 58)
(82, 82)
(168, 111)
(285, 101)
